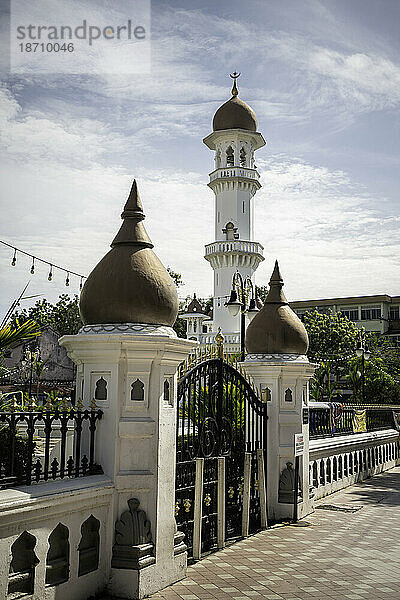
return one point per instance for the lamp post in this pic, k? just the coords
(363, 353)
(242, 299)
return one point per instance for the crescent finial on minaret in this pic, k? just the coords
(234, 76)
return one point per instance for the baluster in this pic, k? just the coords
(70, 466)
(13, 434)
(37, 470)
(78, 430)
(54, 468)
(85, 463)
(30, 418)
(47, 432)
(64, 426)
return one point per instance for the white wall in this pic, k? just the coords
(38, 509)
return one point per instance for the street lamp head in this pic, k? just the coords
(359, 349)
(233, 304)
(367, 354)
(252, 310)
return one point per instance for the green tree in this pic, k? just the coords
(179, 326)
(177, 277)
(261, 292)
(333, 337)
(63, 316)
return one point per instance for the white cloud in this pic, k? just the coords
(331, 236)
(71, 145)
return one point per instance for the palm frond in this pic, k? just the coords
(13, 334)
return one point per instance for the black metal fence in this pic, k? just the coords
(334, 419)
(45, 445)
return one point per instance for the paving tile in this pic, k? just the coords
(342, 556)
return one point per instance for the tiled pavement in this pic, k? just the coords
(349, 555)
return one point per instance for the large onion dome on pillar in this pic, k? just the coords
(130, 284)
(235, 114)
(276, 329)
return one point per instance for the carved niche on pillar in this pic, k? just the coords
(133, 548)
(286, 485)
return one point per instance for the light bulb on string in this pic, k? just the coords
(14, 260)
(50, 277)
(81, 284)
(33, 266)
(67, 279)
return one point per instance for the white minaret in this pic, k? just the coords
(234, 182)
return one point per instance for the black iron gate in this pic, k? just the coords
(221, 420)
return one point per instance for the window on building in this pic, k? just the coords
(230, 160)
(242, 157)
(218, 159)
(137, 390)
(394, 314)
(325, 310)
(369, 313)
(351, 312)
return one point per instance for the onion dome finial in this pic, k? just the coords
(130, 284)
(276, 329)
(235, 75)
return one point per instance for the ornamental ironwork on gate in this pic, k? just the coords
(221, 420)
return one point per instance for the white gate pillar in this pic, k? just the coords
(128, 355)
(275, 375)
(277, 342)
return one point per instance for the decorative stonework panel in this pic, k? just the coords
(133, 548)
(286, 485)
(21, 579)
(136, 328)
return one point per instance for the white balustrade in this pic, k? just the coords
(234, 246)
(228, 172)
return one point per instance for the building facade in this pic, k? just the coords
(378, 313)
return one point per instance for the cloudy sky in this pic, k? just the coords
(324, 80)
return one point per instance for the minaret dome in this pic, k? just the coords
(235, 114)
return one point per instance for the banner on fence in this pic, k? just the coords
(360, 421)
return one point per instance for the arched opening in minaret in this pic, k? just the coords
(230, 160)
(242, 157)
(230, 231)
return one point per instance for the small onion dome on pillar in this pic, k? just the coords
(235, 114)
(276, 329)
(130, 284)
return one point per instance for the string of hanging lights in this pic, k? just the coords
(52, 266)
